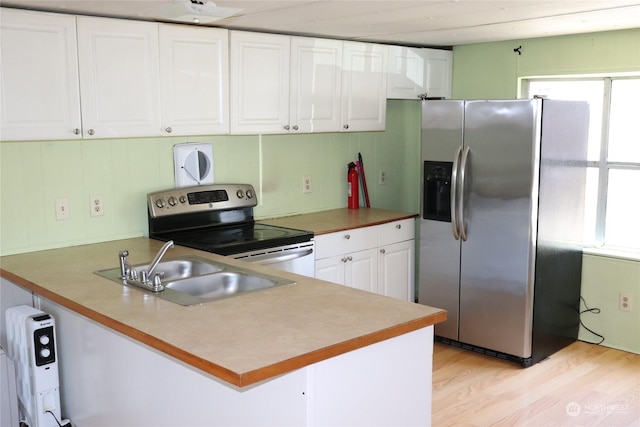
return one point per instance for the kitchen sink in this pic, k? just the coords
(183, 268)
(192, 280)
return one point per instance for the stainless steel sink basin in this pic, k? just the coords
(193, 280)
(183, 268)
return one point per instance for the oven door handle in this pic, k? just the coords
(274, 257)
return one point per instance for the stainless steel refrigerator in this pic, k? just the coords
(501, 228)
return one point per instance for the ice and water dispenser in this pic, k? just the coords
(437, 191)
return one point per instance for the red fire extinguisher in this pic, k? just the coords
(352, 187)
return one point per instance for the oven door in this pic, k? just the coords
(298, 258)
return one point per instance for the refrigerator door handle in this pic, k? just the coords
(460, 203)
(454, 192)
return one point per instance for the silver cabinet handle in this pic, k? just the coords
(90, 131)
(460, 214)
(76, 131)
(346, 126)
(382, 251)
(286, 127)
(454, 192)
(295, 127)
(398, 226)
(347, 236)
(168, 129)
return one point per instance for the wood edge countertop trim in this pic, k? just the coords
(337, 220)
(234, 378)
(338, 349)
(368, 224)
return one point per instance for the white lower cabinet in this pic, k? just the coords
(354, 269)
(379, 259)
(396, 273)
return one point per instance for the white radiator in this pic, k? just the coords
(32, 347)
(8, 399)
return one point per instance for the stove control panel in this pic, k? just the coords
(201, 198)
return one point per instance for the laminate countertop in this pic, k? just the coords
(335, 220)
(243, 339)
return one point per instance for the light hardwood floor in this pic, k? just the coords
(581, 385)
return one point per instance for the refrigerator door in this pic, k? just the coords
(439, 272)
(499, 219)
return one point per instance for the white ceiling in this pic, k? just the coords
(413, 22)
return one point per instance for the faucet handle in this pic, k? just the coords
(157, 283)
(124, 265)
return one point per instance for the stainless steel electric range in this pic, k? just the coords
(219, 218)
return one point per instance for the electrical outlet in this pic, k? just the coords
(96, 205)
(382, 177)
(625, 301)
(63, 210)
(306, 184)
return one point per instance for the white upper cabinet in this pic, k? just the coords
(194, 75)
(259, 83)
(416, 72)
(39, 96)
(364, 86)
(315, 85)
(119, 77)
(406, 79)
(439, 72)
(282, 84)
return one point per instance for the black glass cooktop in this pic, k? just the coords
(233, 240)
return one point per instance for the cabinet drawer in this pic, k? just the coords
(396, 231)
(343, 242)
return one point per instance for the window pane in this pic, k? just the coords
(624, 136)
(591, 91)
(591, 206)
(623, 209)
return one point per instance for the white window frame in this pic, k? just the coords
(601, 164)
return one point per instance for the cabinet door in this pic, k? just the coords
(119, 77)
(259, 83)
(361, 270)
(397, 270)
(438, 74)
(194, 71)
(39, 94)
(315, 85)
(364, 86)
(406, 77)
(330, 269)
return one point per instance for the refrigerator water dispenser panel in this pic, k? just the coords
(437, 191)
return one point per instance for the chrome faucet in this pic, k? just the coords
(148, 274)
(147, 279)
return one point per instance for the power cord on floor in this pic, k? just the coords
(593, 311)
(67, 423)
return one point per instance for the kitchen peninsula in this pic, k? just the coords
(309, 353)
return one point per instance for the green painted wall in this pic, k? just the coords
(491, 71)
(123, 171)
